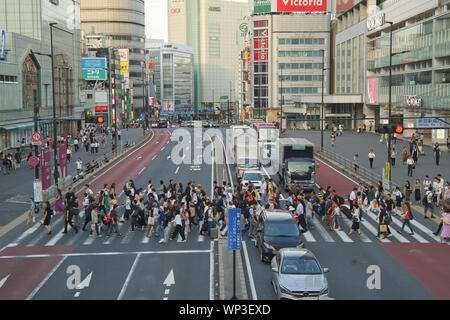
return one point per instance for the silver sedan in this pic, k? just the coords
(296, 275)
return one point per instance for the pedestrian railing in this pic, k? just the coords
(361, 173)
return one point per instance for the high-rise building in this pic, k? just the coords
(173, 75)
(26, 72)
(212, 29)
(122, 22)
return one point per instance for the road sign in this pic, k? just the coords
(94, 74)
(37, 191)
(34, 161)
(429, 123)
(36, 137)
(93, 63)
(234, 229)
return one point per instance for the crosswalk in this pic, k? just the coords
(37, 235)
(369, 231)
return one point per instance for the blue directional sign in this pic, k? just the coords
(93, 63)
(234, 229)
(429, 123)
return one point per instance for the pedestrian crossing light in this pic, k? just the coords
(389, 128)
(100, 120)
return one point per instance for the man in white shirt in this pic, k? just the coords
(178, 228)
(410, 164)
(352, 197)
(299, 211)
(263, 191)
(79, 164)
(371, 158)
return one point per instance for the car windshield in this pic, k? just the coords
(252, 176)
(301, 167)
(281, 229)
(249, 163)
(300, 266)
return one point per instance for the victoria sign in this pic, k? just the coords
(301, 5)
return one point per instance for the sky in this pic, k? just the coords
(156, 18)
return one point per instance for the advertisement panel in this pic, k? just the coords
(299, 5)
(124, 67)
(124, 54)
(372, 90)
(93, 63)
(94, 74)
(344, 5)
(262, 6)
(261, 41)
(46, 169)
(63, 160)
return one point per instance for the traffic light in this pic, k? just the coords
(100, 120)
(389, 128)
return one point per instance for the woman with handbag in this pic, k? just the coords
(445, 234)
(59, 204)
(383, 218)
(48, 212)
(151, 222)
(355, 220)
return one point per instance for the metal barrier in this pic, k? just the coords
(361, 173)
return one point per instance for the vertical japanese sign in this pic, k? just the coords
(261, 40)
(46, 168)
(234, 229)
(63, 160)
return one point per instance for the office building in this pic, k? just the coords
(26, 78)
(212, 29)
(172, 75)
(124, 23)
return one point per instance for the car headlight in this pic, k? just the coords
(284, 290)
(268, 246)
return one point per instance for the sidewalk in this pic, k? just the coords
(351, 143)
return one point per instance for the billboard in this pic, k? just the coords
(124, 55)
(94, 74)
(372, 90)
(46, 168)
(299, 5)
(262, 6)
(93, 63)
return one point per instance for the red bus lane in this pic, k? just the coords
(329, 176)
(426, 262)
(21, 275)
(130, 167)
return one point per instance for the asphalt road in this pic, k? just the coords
(134, 267)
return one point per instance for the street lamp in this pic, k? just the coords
(282, 100)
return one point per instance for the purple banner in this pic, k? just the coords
(63, 160)
(46, 169)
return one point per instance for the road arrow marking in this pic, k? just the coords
(170, 280)
(168, 157)
(176, 171)
(85, 283)
(138, 158)
(2, 282)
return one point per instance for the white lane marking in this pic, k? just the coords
(27, 232)
(168, 157)
(104, 254)
(146, 239)
(77, 294)
(267, 174)
(139, 158)
(142, 170)
(57, 237)
(415, 236)
(85, 283)
(176, 171)
(33, 293)
(80, 232)
(324, 233)
(167, 292)
(308, 236)
(343, 235)
(249, 271)
(127, 281)
(362, 236)
(2, 282)
(90, 239)
(211, 271)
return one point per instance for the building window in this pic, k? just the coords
(30, 84)
(214, 40)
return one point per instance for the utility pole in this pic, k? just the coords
(36, 129)
(282, 100)
(322, 108)
(229, 106)
(55, 140)
(390, 105)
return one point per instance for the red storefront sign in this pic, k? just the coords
(261, 41)
(46, 169)
(344, 5)
(101, 108)
(301, 5)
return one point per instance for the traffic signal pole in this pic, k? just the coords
(390, 107)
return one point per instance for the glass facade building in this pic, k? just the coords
(173, 74)
(26, 79)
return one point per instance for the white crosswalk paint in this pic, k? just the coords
(397, 222)
(343, 235)
(363, 236)
(308, 236)
(417, 225)
(29, 231)
(372, 216)
(146, 239)
(90, 240)
(372, 229)
(323, 232)
(80, 232)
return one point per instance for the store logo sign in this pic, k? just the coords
(375, 21)
(3, 52)
(412, 101)
(301, 5)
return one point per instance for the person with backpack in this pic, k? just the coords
(48, 212)
(407, 216)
